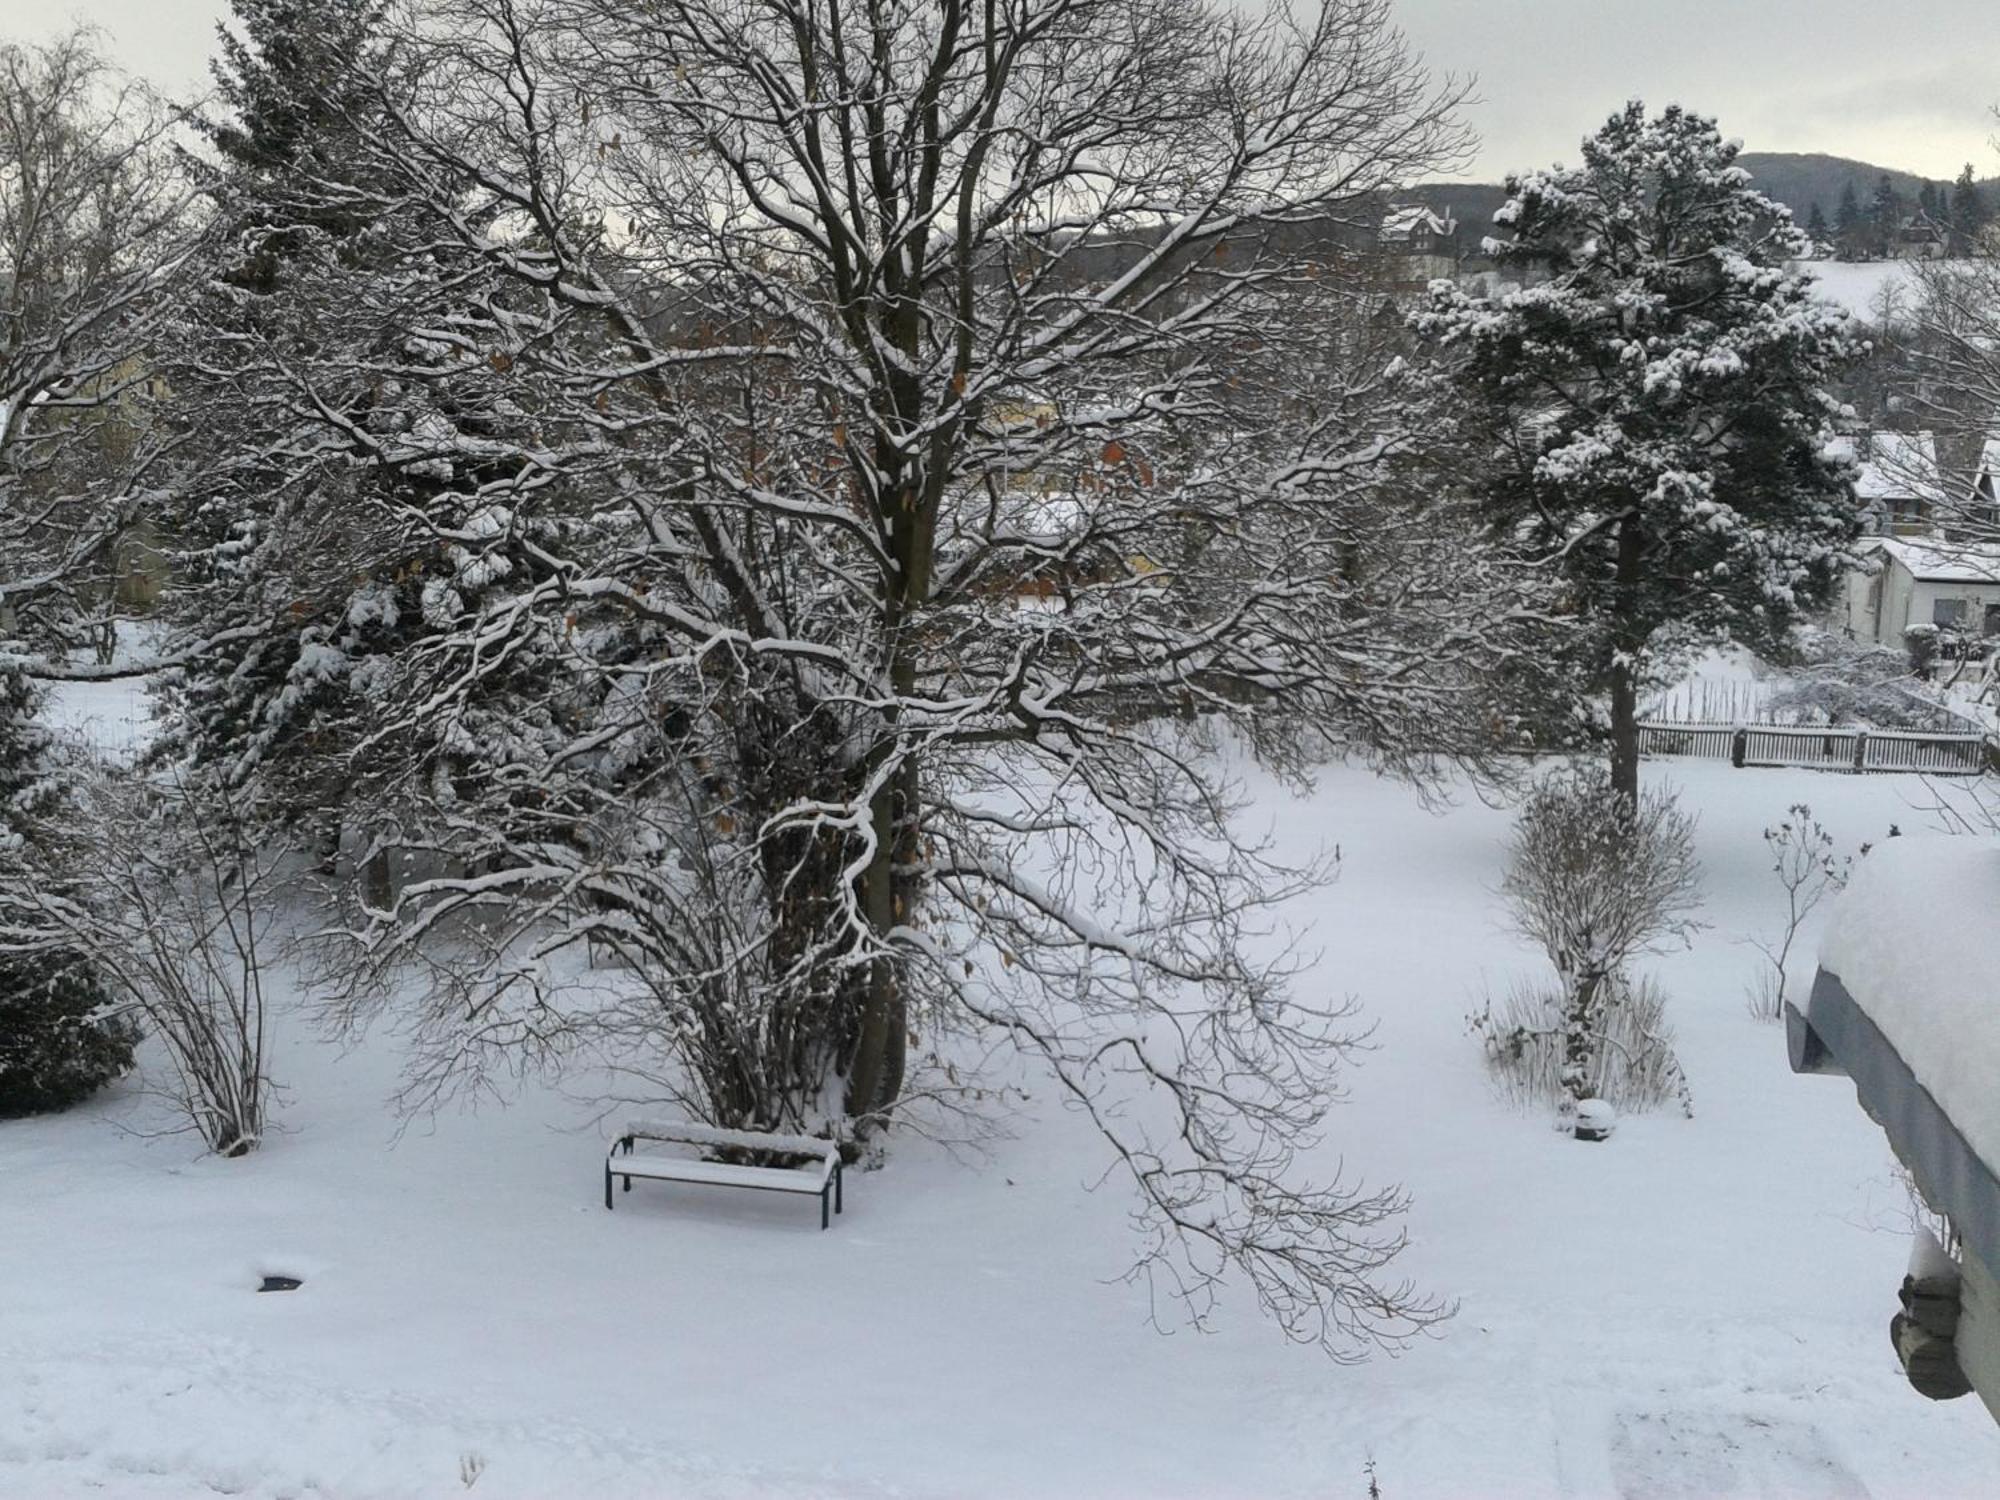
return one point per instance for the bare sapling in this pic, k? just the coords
(162, 890)
(1802, 858)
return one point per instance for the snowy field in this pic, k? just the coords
(1868, 289)
(1698, 1308)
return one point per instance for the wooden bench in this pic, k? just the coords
(820, 1179)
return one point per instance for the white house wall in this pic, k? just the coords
(1861, 605)
(1897, 587)
(1923, 596)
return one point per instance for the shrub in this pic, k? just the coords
(57, 1047)
(164, 891)
(1595, 880)
(1922, 643)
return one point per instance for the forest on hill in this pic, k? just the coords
(1799, 180)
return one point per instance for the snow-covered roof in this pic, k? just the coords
(1907, 1002)
(1895, 466)
(1405, 221)
(1942, 562)
(1986, 481)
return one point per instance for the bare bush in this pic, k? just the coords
(1633, 1066)
(162, 891)
(1841, 681)
(1597, 879)
(1805, 864)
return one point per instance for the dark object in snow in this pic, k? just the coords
(281, 1284)
(821, 1177)
(1923, 1334)
(1595, 1120)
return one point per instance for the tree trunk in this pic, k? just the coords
(875, 1078)
(1628, 647)
(1625, 729)
(1586, 992)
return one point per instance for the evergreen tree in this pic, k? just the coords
(331, 440)
(292, 83)
(56, 1048)
(1885, 216)
(1848, 225)
(1661, 402)
(1968, 211)
(1817, 227)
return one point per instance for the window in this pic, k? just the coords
(1991, 624)
(1948, 613)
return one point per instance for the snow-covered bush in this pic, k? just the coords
(1633, 1067)
(57, 1045)
(1841, 681)
(1922, 641)
(161, 892)
(1596, 879)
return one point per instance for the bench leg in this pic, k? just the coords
(607, 1184)
(837, 1175)
(824, 1221)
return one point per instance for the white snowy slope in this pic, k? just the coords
(1873, 291)
(1698, 1308)
(1916, 941)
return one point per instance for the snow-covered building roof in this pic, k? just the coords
(1930, 561)
(1986, 479)
(1408, 223)
(1893, 465)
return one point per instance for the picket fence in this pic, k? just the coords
(1820, 749)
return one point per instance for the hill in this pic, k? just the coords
(1795, 179)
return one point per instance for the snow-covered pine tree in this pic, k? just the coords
(337, 401)
(1657, 410)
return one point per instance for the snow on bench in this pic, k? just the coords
(821, 1178)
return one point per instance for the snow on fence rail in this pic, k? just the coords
(1831, 748)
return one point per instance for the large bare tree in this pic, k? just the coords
(921, 444)
(93, 219)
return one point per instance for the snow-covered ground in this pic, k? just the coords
(1872, 290)
(1698, 1308)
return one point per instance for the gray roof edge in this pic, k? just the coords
(1836, 1036)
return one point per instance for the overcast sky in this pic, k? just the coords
(1901, 83)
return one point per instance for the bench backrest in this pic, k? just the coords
(688, 1133)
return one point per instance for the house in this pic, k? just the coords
(1905, 581)
(1423, 243)
(1906, 1004)
(1982, 504)
(1898, 482)
(1919, 237)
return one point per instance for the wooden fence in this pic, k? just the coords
(1840, 748)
